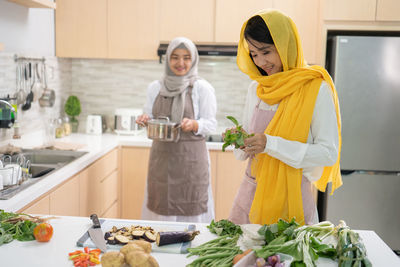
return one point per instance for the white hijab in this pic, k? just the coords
(175, 86)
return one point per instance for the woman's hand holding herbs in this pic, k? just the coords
(255, 144)
(235, 136)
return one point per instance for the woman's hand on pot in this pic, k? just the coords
(189, 125)
(255, 144)
(143, 119)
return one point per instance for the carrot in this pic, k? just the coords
(237, 258)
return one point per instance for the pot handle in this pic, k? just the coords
(164, 118)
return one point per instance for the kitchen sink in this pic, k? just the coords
(43, 162)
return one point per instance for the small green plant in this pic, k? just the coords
(235, 136)
(72, 107)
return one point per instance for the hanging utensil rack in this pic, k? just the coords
(18, 58)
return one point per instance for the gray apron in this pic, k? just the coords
(244, 198)
(178, 175)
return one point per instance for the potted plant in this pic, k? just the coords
(73, 108)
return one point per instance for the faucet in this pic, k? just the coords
(7, 104)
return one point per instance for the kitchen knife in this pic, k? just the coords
(96, 234)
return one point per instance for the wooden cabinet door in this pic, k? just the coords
(81, 28)
(230, 172)
(112, 212)
(231, 14)
(306, 15)
(388, 10)
(214, 164)
(133, 29)
(189, 18)
(65, 199)
(134, 165)
(99, 185)
(355, 10)
(42, 206)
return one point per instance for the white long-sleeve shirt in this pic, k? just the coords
(204, 104)
(322, 144)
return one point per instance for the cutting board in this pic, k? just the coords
(106, 225)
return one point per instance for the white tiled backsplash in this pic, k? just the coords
(103, 85)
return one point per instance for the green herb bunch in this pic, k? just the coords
(12, 226)
(224, 227)
(235, 136)
(303, 243)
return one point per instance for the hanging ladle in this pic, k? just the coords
(29, 97)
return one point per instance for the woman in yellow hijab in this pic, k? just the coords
(294, 112)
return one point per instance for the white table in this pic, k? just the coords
(67, 231)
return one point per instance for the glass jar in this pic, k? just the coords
(59, 128)
(67, 126)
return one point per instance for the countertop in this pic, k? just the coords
(67, 231)
(96, 146)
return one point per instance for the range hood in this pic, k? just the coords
(205, 49)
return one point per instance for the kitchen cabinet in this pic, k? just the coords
(305, 14)
(190, 18)
(41, 206)
(213, 160)
(230, 172)
(65, 199)
(81, 28)
(99, 185)
(1, 47)
(388, 10)
(226, 176)
(94, 190)
(228, 29)
(362, 10)
(35, 3)
(358, 10)
(107, 29)
(132, 29)
(134, 165)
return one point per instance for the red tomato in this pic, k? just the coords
(43, 232)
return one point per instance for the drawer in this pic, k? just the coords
(112, 212)
(104, 166)
(109, 191)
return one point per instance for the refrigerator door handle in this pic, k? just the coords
(347, 172)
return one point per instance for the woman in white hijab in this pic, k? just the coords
(178, 182)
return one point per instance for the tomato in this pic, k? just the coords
(43, 232)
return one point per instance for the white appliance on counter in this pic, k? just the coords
(125, 121)
(94, 124)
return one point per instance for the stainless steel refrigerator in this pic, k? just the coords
(366, 72)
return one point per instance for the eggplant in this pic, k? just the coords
(165, 238)
(122, 239)
(150, 236)
(137, 234)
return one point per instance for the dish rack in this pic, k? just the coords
(14, 170)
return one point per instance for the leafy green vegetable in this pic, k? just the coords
(235, 136)
(272, 231)
(224, 227)
(15, 226)
(303, 243)
(350, 249)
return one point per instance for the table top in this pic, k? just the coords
(67, 231)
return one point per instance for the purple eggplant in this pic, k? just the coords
(165, 238)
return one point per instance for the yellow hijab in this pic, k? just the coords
(278, 193)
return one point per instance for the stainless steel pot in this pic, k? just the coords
(161, 129)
